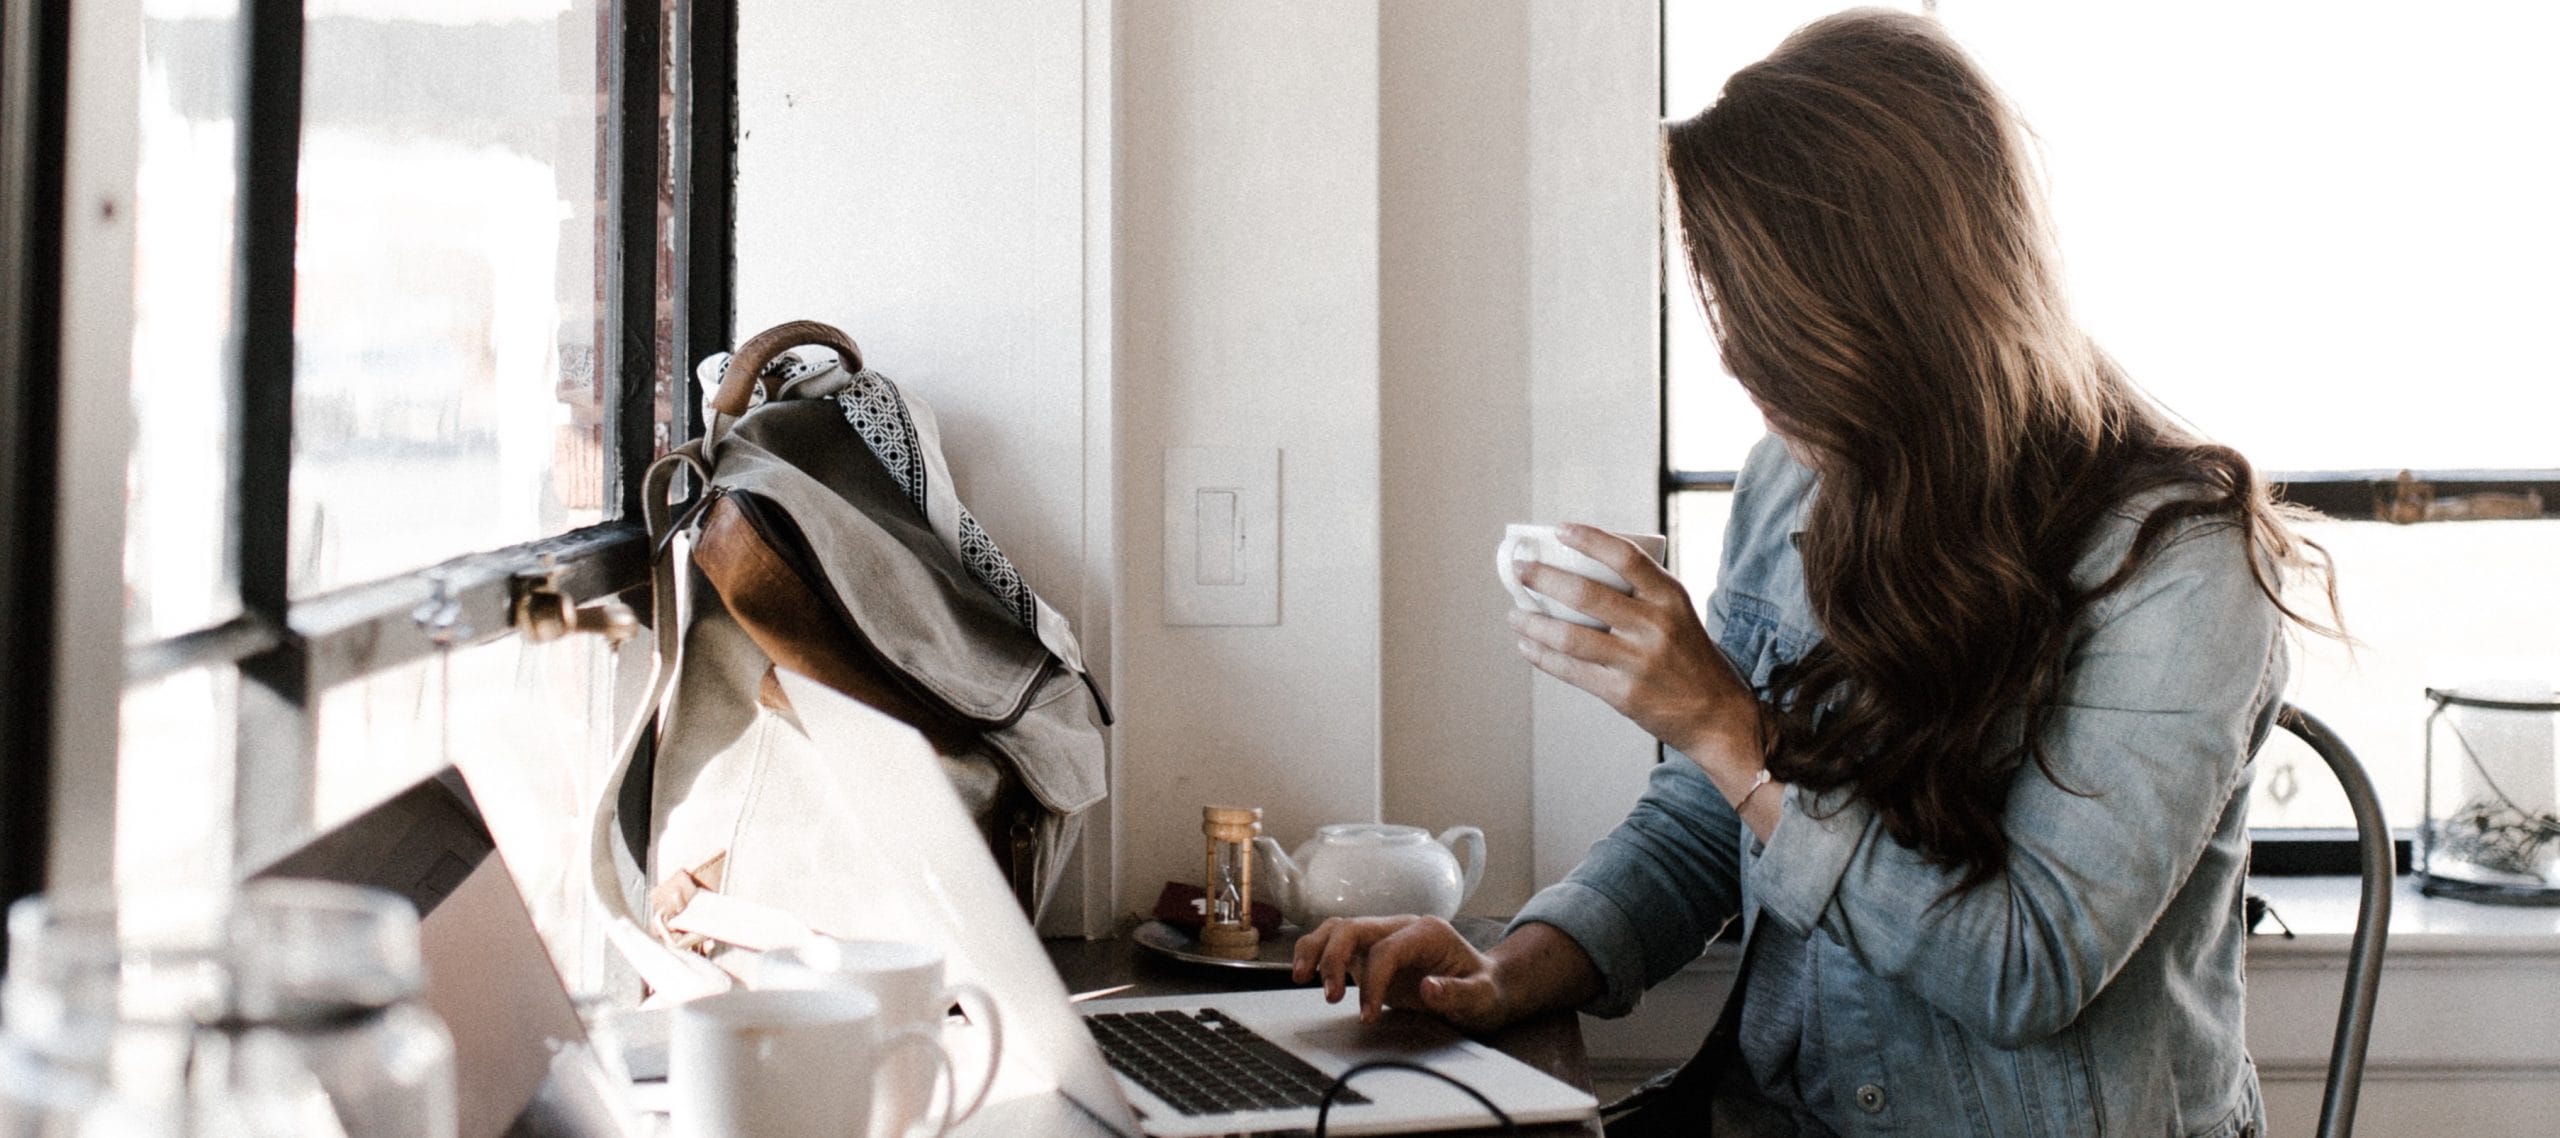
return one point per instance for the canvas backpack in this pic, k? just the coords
(826, 538)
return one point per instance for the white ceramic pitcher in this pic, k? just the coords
(1372, 869)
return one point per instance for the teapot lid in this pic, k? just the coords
(1372, 833)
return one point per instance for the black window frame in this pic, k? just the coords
(35, 43)
(289, 651)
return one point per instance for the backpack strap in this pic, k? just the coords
(739, 373)
(615, 874)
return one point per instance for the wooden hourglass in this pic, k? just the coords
(1227, 926)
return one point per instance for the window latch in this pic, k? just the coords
(543, 613)
(2406, 500)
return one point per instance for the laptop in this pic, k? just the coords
(927, 868)
(523, 1064)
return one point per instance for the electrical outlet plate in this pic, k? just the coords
(1221, 536)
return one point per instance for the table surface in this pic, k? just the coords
(1552, 1043)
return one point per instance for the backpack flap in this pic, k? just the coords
(957, 656)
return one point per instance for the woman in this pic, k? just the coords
(1964, 736)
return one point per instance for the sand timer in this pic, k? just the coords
(1227, 925)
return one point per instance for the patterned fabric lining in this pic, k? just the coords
(879, 415)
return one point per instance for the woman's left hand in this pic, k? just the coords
(1654, 663)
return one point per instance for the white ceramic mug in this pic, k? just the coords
(1540, 543)
(907, 979)
(806, 1064)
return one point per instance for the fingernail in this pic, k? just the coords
(1528, 649)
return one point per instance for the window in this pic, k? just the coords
(34, 60)
(410, 281)
(2321, 239)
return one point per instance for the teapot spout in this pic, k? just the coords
(1280, 873)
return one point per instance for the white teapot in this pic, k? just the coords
(1371, 869)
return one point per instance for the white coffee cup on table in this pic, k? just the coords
(791, 1064)
(1539, 543)
(907, 980)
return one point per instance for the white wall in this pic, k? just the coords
(917, 174)
(1409, 246)
(914, 173)
(1519, 330)
(1247, 240)
(1454, 310)
(97, 345)
(1595, 362)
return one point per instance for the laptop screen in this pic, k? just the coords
(923, 875)
(522, 1061)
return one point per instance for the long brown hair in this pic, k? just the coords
(1862, 214)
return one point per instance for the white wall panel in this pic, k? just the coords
(96, 431)
(1594, 361)
(1454, 322)
(1247, 301)
(914, 173)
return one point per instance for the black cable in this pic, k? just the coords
(1324, 1107)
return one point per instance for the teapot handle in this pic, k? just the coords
(1471, 861)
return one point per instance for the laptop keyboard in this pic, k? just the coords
(1204, 1063)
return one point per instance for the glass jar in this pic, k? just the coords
(57, 1016)
(286, 1008)
(2492, 798)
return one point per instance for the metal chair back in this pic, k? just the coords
(2373, 922)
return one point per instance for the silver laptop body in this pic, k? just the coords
(933, 882)
(522, 1061)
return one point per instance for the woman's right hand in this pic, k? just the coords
(1405, 962)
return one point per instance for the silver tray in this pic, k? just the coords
(1275, 952)
(1273, 956)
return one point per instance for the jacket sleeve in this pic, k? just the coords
(1646, 899)
(2166, 695)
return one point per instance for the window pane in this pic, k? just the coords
(450, 282)
(530, 725)
(2449, 604)
(177, 509)
(173, 781)
(1697, 538)
(1712, 423)
(2325, 240)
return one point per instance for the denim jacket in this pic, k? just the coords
(2094, 986)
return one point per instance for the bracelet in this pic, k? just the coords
(1756, 784)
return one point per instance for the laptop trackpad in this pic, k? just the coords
(1410, 1036)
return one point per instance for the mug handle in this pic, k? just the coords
(1503, 556)
(1473, 860)
(981, 1008)
(928, 1041)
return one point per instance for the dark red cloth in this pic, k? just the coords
(1180, 906)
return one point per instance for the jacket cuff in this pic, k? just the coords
(1606, 935)
(1794, 878)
